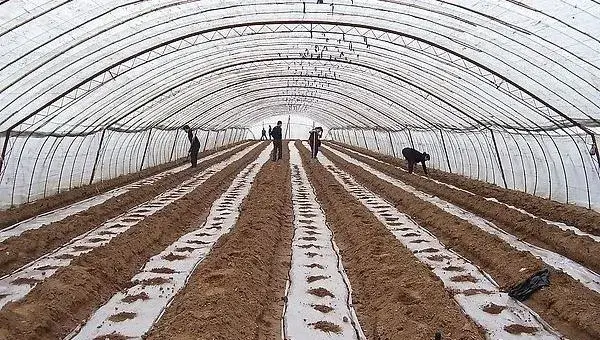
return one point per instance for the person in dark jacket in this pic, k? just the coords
(270, 132)
(277, 142)
(263, 136)
(194, 146)
(413, 157)
(314, 140)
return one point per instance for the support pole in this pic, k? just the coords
(230, 135)
(287, 127)
(97, 156)
(2, 159)
(356, 138)
(445, 151)
(174, 143)
(376, 142)
(146, 149)
(391, 143)
(206, 141)
(412, 143)
(593, 141)
(364, 139)
(235, 135)
(499, 160)
(216, 140)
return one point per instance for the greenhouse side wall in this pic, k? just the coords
(39, 166)
(549, 165)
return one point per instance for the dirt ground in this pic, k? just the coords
(237, 291)
(57, 305)
(532, 230)
(395, 295)
(17, 251)
(28, 210)
(584, 219)
(566, 304)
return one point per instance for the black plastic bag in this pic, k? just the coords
(523, 290)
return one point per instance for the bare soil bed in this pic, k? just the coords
(395, 295)
(236, 292)
(566, 304)
(535, 231)
(57, 305)
(28, 210)
(17, 251)
(584, 219)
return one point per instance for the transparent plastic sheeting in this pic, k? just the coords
(43, 166)
(466, 53)
(81, 67)
(556, 167)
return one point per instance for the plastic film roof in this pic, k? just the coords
(72, 67)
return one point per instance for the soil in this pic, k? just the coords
(316, 278)
(463, 278)
(566, 304)
(112, 337)
(520, 329)
(134, 298)
(493, 308)
(32, 244)
(584, 219)
(321, 292)
(120, 317)
(28, 210)
(59, 304)
(532, 230)
(237, 291)
(155, 281)
(323, 308)
(163, 270)
(327, 327)
(392, 291)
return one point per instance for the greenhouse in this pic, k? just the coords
(323, 169)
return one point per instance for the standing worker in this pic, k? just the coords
(413, 157)
(263, 136)
(270, 132)
(277, 143)
(314, 140)
(194, 146)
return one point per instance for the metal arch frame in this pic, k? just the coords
(573, 121)
(269, 85)
(372, 8)
(524, 129)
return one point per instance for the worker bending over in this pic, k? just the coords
(413, 156)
